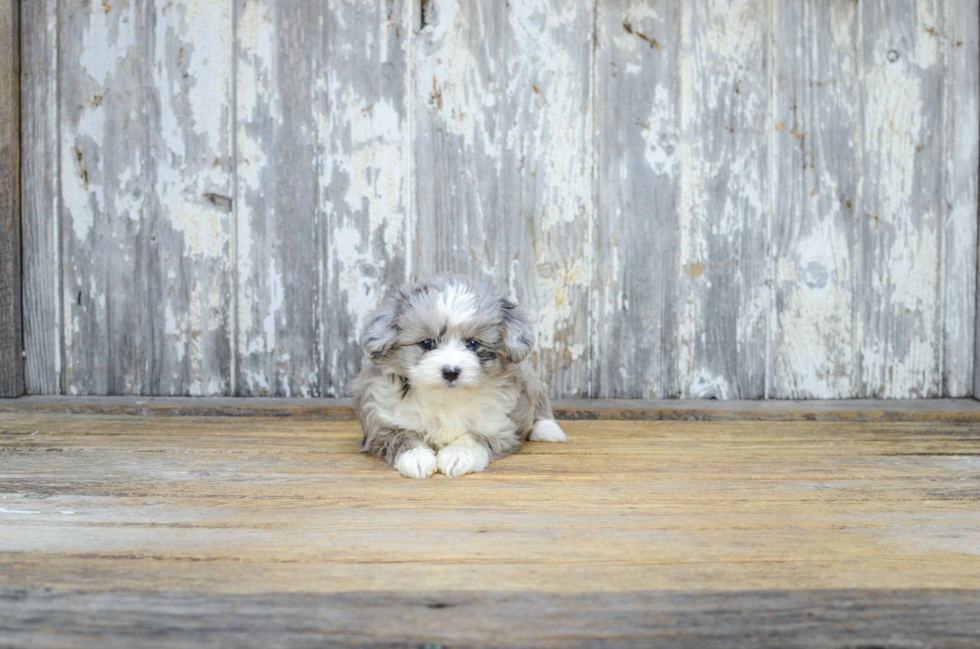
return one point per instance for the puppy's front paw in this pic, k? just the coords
(416, 463)
(546, 430)
(455, 461)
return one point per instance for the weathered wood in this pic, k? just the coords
(41, 199)
(719, 289)
(961, 47)
(187, 208)
(103, 72)
(871, 410)
(502, 106)
(366, 218)
(226, 232)
(11, 335)
(638, 133)
(324, 220)
(859, 217)
(962, 315)
(901, 204)
(779, 618)
(816, 235)
(200, 520)
(681, 296)
(278, 66)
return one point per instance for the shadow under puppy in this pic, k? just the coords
(449, 387)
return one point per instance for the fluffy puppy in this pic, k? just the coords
(449, 387)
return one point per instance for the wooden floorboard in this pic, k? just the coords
(948, 410)
(118, 530)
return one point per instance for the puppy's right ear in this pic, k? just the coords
(381, 331)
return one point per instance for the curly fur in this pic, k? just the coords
(411, 404)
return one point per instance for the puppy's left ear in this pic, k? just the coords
(516, 339)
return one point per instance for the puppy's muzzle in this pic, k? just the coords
(450, 373)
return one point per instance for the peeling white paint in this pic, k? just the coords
(660, 135)
(515, 115)
(363, 290)
(193, 165)
(106, 41)
(83, 192)
(705, 385)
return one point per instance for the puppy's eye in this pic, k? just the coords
(428, 344)
(472, 344)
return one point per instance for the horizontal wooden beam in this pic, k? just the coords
(845, 617)
(949, 410)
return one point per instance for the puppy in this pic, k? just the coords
(449, 387)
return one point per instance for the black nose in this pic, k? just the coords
(450, 373)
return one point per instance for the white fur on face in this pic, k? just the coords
(451, 353)
(456, 305)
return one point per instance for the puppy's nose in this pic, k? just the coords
(450, 373)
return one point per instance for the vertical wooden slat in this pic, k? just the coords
(104, 159)
(681, 108)
(11, 338)
(189, 200)
(816, 231)
(40, 204)
(637, 133)
(278, 69)
(901, 213)
(719, 298)
(504, 162)
(365, 215)
(859, 214)
(961, 46)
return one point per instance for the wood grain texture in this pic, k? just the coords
(638, 131)
(846, 618)
(323, 191)
(502, 107)
(861, 228)
(278, 65)
(366, 217)
(901, 202)
(103, 76)
(188, 206)
(720, 291)
(41, 221)
(961, 47)
(816, 238)
(708, 199)
(682, 99)
(192, 517)
(853, 410)
(11, 335)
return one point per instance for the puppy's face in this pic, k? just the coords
(447, 333)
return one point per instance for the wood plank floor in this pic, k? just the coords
(255, 531)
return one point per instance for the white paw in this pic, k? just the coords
(416, 463)
(455, 461)
(546, 430)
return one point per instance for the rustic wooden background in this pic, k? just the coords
(698, 198)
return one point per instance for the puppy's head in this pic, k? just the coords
(448, 332)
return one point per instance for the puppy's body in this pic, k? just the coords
(449, 387)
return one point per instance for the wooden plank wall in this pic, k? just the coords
(709, 199)
(11, 338)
